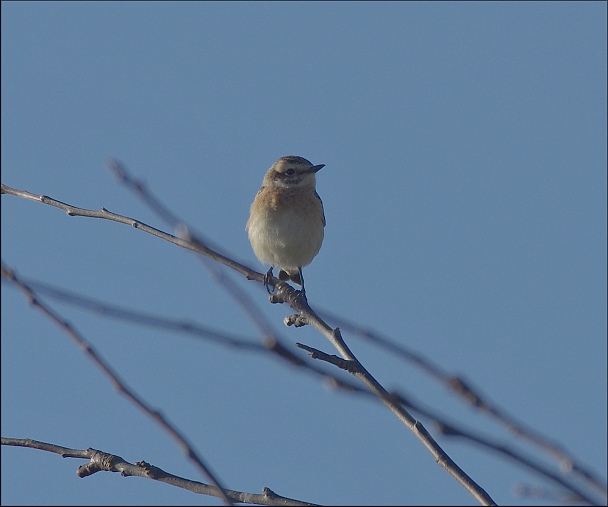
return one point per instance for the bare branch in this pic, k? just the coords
(269, 345)
(458, 385)
(305, 316)
(577, 494)
(143, 318)
(344, 364)
(450, 429)
(119, 384)
(103, 213)
(105, 462)
(453, 430)
(287, 294)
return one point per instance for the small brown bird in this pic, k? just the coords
(286, 220)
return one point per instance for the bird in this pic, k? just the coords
(286, 221)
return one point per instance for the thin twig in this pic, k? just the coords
(271, 345)
(144, 318)
(450, 429)
(103, 213)
(119, 384)
(105, 462)
(416, 427)
(465, 390)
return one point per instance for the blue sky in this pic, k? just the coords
(465, 196)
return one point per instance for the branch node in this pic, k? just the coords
(268, 493)
(151, 471)
(296, 320)
(274, 298)
(345, 364)
(99, 461)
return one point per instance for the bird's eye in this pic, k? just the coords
(290, 172)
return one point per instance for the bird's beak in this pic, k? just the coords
(316, 168)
